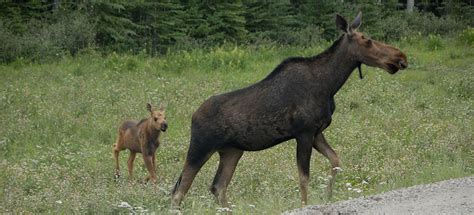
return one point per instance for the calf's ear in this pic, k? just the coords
(162, 108)
(341, 23)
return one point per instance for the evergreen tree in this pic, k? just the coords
(161, 24)
(225, 21)
(270, 19)
(113, 25)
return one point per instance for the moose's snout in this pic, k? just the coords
(164, 126)
(403, 64)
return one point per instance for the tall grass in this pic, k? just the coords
(59, 121)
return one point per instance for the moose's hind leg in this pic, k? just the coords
(227, 164)
(197, 156)
(322, 146)
(303, 157)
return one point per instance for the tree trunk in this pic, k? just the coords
(410, 5)
(56, 4)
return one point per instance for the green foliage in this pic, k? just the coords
(434, 42)
(114, 28)
(42, 30)
(459, 10)
(161, 25)
(270, 21)
(225, 22)
(69, 34)
(321, 13)
(467, 36)
(73, 32)
(427, 23)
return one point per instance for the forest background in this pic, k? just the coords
(46, 29)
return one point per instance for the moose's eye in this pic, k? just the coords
(156, 119)
(369, 42)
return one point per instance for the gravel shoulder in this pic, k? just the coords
(454, 196)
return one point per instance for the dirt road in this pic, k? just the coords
(446, 197)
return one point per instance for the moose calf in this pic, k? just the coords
(141, 137)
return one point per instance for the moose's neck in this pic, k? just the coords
(334, 66)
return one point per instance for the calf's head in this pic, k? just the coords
(369, 51)
(157, 118)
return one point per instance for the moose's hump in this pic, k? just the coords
(288, 65)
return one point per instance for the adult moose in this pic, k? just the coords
(296, 101)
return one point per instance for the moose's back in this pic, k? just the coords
(128, 132)
(261, 115)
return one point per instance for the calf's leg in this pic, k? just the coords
(148, 159)
(227, 164)
(116, 152)
(131, 158)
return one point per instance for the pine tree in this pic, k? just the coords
(225, 21)
(114, 28)
(161, 24)
(269, 19)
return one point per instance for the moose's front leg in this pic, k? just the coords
(322, 146)
(303, 157)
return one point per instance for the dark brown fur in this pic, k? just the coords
(141, 137)
(296, 101)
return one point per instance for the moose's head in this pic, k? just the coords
(157, 118)
(369, 51)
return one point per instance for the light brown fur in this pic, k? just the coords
(141, 137)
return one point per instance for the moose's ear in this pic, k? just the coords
(341, 23)
(148, 107)
(357, 21)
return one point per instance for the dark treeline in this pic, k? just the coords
(41, 29)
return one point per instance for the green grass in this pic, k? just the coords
(59, 121)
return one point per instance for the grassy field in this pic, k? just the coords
(59, 121)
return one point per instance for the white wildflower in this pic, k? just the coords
(226, 209)
(124, 205)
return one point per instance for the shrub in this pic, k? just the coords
(434, 42)
(9, 47)
(467, 36)
(42, 41)
(427, 23)
(77, 32)
(397, 28)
